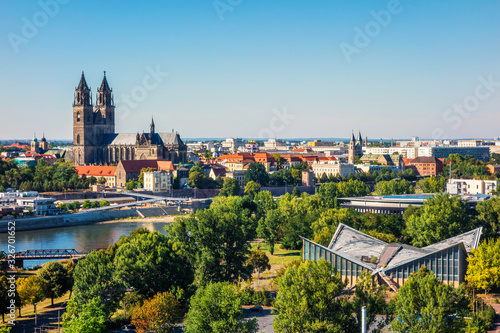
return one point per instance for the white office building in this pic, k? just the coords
(471, 186)
(158, 181)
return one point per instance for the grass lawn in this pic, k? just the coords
(280, 256)
(28, 313)
(277, 260)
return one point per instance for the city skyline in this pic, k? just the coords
(257, 70)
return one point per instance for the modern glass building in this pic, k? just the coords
(351, 251)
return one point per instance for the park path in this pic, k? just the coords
(496, 323)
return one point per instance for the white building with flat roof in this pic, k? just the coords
(471, 186)
(333, 168)
(158, 181)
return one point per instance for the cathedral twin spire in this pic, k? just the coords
(83, 94)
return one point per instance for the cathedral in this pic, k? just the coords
(355, 148)
(96, 143)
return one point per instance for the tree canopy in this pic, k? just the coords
(215, 308)
(425, 304)
(483, 270)
(441, 217)
(310, 300)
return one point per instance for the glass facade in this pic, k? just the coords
(345, 267)
(445, 264)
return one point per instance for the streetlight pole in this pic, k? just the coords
(35, 314)
(285, 187)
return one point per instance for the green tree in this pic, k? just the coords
(297, 215)
(94, 279)
(86, 204)
(217, 308)
(130, 185)
(230, 187)
(4, 296)
(324, 178)
(196, 179)
(55, 277)
(87, 318)
(70, 270)
(483, 271)
(215, 240)
(265, 202)
(441, 217)
(310, 300)
(141, 175)
(352, 188)
(75, 205)
(368, 293)
(259, 261)
(281, 177)
(101, 181)
(296, 191)
(147, 263)
(432, 184)
(394, 187)
(159, 314)
(280, 161)
(269, 227)
(104, 203)
(256, 172)
(425, 304)
(495, 158)
(31, 290)
(489, 216)
(324, 227)
(92, 180)
(252, 188)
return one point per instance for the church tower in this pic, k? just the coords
(83, 119)
(105, 107)
(352, 149)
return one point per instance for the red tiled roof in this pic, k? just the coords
(135, 166)
(425, 159)
(96, 171)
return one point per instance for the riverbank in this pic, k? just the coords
(84, 218)
(152, 219)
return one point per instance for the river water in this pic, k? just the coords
(80, 238)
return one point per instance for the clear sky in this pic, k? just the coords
(256, 68)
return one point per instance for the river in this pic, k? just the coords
(80, 238)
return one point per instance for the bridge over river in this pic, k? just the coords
(42, 254)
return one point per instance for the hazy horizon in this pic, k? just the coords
(256, 69)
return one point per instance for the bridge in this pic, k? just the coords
(42, 254)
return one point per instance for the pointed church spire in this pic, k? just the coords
(352, 137)
(104, 84)
(360, 140)
(152, 126)
(82, 93)
(83, 83)
(105, 93)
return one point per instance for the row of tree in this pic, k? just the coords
(44, 177)
(53, 280)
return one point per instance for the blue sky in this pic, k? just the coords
(236, 70)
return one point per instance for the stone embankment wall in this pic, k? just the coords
(75, 219)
